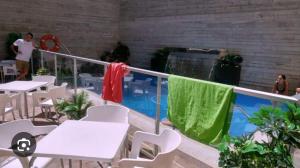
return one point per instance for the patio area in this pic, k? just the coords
(137, 122)
(154, 84)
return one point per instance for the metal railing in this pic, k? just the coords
(160, 76)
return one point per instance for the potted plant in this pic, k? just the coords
(283, 131)
(159, 59)
(42, 71)
(227, 69)
(75, 108)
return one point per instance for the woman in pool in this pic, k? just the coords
(281, 85)
(298, 91)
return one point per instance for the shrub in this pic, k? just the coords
(76, 107)
(283, 130)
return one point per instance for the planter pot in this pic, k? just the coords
(296, 157)
(227, 74)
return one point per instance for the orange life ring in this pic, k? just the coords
(50, 37)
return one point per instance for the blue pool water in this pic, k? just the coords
(141, 96)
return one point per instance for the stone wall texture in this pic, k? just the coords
(265, 32)
(85, 27)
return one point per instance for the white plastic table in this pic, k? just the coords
(83, 140)
(22, 87)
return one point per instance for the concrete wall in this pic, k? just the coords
(266, 32)
(86, 27)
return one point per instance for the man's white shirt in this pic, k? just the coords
(25, 49)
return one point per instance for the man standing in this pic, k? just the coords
(25, 48)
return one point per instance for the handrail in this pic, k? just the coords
(240, 90)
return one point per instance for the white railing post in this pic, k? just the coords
(158, 98)
(42, 59)
(105, 69)
(75, 75)
(157, 117)
(55, 68)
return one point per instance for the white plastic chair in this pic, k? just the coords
(47, 99)
(107, 113)
(168, 141)
(141, 86)
(10, 70)
(45, 78)
(8, 131)
(6, 104)
(83, 79)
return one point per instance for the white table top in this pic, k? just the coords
(83, 140)
(21, 86)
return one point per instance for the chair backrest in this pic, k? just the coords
(107, 113)
(168, 141)
(44, 78)
(4, 100)
(10, 70)
(84, 75)
(58, 92)
(10, 129)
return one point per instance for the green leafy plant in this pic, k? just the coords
(42, 71)
(283, 131)
(159, 59)
(244, 152)
(231, 59)
(76, 107)
(121, 53)
(281, 126)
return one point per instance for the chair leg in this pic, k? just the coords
(33, 113)
(100, 164)
(62, 163)
(70, 163)
(3, 117)
(80, 163)
(13, 114)
(44, 111)
(49, 112)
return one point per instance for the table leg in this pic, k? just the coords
(26, 105)
(70, 163)
(80, 163)
(62, 163)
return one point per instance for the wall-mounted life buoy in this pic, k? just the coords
(50, 37)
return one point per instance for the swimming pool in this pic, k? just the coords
(141, 96)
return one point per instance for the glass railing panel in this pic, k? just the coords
(245, 106)
(139, 93)
(90, 76)
(65, 71)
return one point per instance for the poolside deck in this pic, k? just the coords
(191, 154)
(138, 122)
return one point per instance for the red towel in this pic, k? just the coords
(112, 85)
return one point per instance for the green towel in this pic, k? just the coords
(201, 110)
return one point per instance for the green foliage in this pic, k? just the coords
(76, 107)
(121, 53)
(106, 56)
(244, 152)
(11, 38)
(231, 59)
(42, 71)
(281, 126)
(283, 130)
(159, 60)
